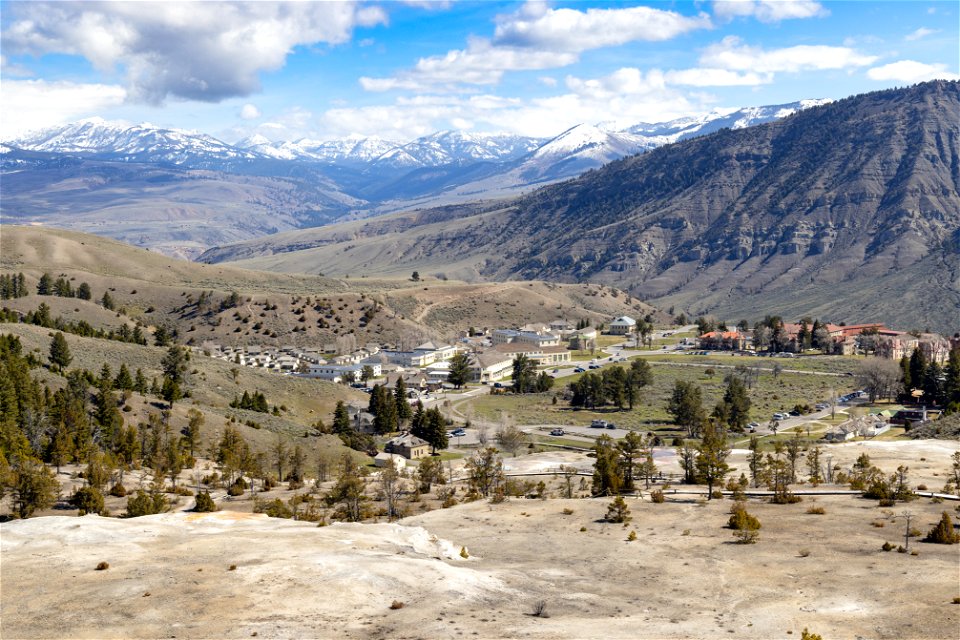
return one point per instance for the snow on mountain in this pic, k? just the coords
(450, 147)
(123, 141)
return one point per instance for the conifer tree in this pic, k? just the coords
(60, 352)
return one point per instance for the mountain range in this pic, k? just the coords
(848, 210)
(181, 192)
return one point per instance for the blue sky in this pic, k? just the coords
(399, 70)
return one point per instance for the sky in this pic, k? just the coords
(400, 70)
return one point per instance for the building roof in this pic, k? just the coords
(624, 320)
(407, 440)
(722, 335)
(488, 359)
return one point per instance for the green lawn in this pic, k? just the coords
(822, 364)
(768, 396)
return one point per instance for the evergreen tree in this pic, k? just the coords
(951, 390)
(639, 375)
(736, 404)
(107, 301)
(918, 369)
(459, 370)
(83, 291)
(123, 380)
(712, 453)
(32, 485)
(606, 468)
(686, 406)
(60, 352)
(341, 419)
(45, 285)
(140, 383)
(432, 428)
(404, 412)
(524, 374)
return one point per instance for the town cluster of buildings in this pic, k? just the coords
(426, 366)
(845, 339)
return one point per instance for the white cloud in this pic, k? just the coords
(709, 77)
(911, 71)
(28, 105)
(249, 112)
(204, 51)
(768, 10)
(922, 32)
(548, 81)
(537, 37)
(732, 54)
(537, 27)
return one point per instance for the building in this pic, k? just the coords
(935, 347)
(514, 336)
(724, 340)
(490, 366)
(338, 372)
(383, 459)
(409, 446)
(542, 356)
(624, 325)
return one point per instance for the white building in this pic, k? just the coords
(622, 326)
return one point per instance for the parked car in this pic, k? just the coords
(753, 426)
(579, 370)
(598, 424)
(557, 432)
(456, 433)
(594, 366)
(610, 425)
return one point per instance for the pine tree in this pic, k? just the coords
(341, 419)
(83, 291)
(402, 406)
(459, 370)
(60, 352)
(123, 380)
(45, 285)
(140, 383)
(943, 533)
(951, 388)
(107, 301)
(712, 453)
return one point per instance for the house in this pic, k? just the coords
(935, 347)
(337, 372)
(542, 356)
(409, 446)
(360, 418)
(724, 340)
(383, 458)
(490, 366)
(513, 336)
(840, 434)
(624, 325)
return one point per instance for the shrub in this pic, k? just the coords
(205, 503)
(274, 508)
(807, 635)
(118, 491)
(145, 504)
(463, 553)
(943, 533)
(804, 553)
(540, 609)
(746, 536)
(183, 491)
(233, 567)
(103, 566)
(568, 511)
(656, 496)
(632, 536)
(618, 511)
(816, 511)
(887, 546)
(236, 489)
(88, 500)
(740, 520)
(582, 529)
(396, 604)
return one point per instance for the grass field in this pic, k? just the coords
(768, 396)
(820, 364)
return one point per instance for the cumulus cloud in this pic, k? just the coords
(922, 32)
(249, 112)
(537, 37)
(911, 71)
(768, 10)
(28, 105)
(205, 51)
(710, 77)
(537, 27)
(732, 54)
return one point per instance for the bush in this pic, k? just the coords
(540, 609)
(740, 520)
(118, 491)
(146, 504)
(568, 511)
(205, 503)
(656, 496)
(632, 536)
(88, 500)
(887, 546)
(746, 536)
(816, 511)
(804, 553)
(274, 508)
(618, 511)
(102, 566)
(396, 604)
(463, 553)
(943, 533)
(236, 489)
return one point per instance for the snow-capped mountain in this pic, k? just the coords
(131, 143)
(683, 128)
(451, 147)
